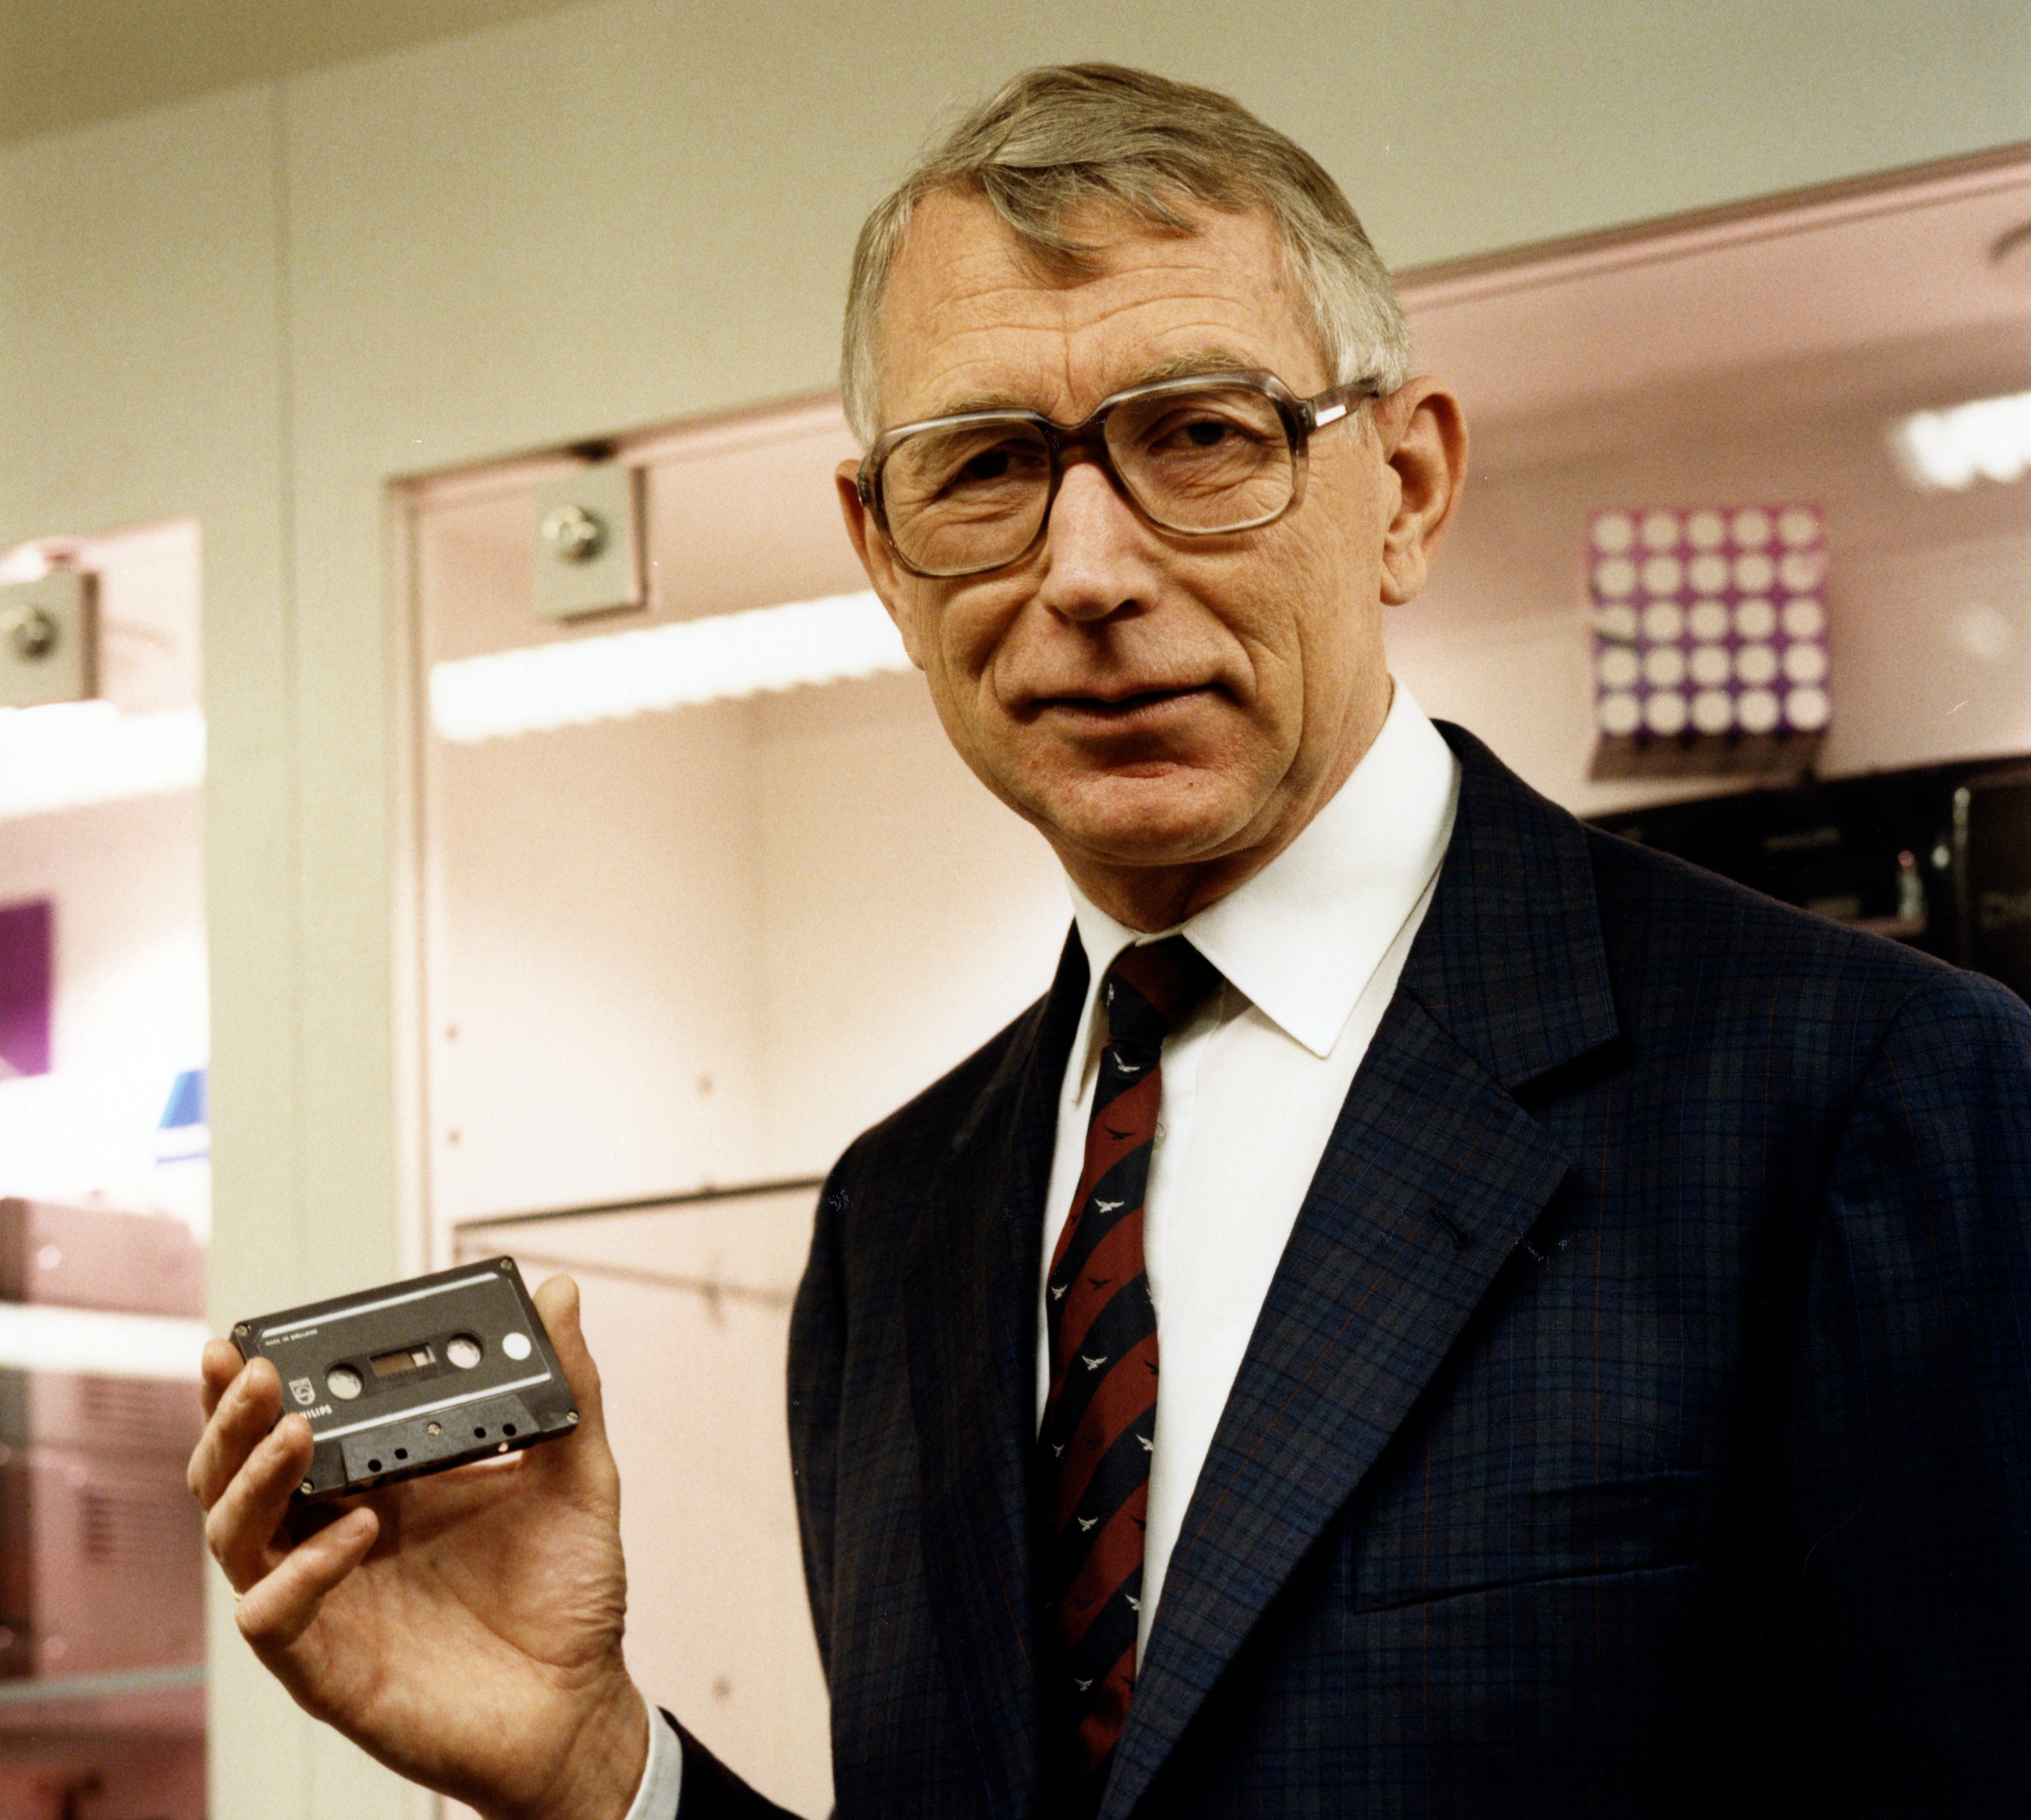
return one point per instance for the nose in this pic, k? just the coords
(1096, 549)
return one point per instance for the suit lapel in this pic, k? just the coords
(972, 1270)
(1432, 1176)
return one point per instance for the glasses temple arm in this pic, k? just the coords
(1330, 407)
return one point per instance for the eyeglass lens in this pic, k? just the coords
(962, 496)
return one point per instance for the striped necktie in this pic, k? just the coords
(1099, 1427)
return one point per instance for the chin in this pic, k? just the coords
(1152, 834)
(1178, 814)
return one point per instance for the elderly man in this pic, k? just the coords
(1437, 1310)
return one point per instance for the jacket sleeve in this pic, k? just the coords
(1908, 1432)
(711, 1791)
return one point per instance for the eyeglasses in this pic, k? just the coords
(1202, 456)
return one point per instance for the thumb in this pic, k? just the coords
(557, 1301)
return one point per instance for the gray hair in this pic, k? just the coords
(1054, 139)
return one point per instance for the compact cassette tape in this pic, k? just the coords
(416, 1377)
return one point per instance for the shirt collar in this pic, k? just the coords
(1301, 937)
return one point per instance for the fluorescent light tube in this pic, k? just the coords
(38, 1337)
(1989, 439)
(24, 562)
(577, 681)
(68, 754)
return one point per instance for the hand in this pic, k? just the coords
(464, 1628)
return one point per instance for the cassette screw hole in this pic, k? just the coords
(463, 1351)
(306, 1488)
(436, 1428)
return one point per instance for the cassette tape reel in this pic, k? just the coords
(416, 1377)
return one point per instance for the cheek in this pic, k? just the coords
(974, 639)
(1289, 636)
(956, 654)
(1333, 644)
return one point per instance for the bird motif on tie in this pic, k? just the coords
(1102, 1328)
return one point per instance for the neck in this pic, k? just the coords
(1147, 898)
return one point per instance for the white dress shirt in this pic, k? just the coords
(1309, 951)
(662, 1776)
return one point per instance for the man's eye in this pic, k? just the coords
(990, 464)
(998, 465)
(1192, 433)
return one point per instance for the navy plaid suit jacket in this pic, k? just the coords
(1639, 1422)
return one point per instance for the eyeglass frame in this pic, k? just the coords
(1302, 418)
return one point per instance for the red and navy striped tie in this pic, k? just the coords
(1100, 1418)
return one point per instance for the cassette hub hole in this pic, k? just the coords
(344, 1382)
(463, 1351)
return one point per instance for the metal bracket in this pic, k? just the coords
(588, 543)
(47, 645)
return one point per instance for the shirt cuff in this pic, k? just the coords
(662, 1776)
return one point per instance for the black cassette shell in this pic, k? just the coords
(416, 1377)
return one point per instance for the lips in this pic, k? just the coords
(1124, 707)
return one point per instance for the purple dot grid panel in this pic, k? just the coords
(27, 986)
(1708, 621)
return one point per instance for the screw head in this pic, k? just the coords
(572, 534)
(32, 634)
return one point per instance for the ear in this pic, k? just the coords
(889, 582)
(1423, 437)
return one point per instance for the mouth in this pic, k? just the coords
(1128, 711)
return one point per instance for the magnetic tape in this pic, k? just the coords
(416, 1377)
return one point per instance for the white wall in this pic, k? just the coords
(257, 307)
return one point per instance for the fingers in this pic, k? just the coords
(243, 1410)
(278, 1608)
(587, 1456)
(241, 1523)
(218, 1368)
(557, 1301)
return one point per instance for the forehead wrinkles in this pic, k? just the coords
(1066, 372)
(973, 318)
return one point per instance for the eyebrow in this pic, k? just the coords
(1190, 364)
